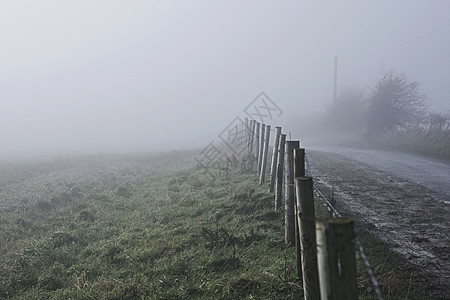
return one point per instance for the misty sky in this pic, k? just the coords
(106, 75)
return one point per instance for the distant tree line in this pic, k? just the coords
(394, 103)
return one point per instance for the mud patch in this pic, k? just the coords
(405, 215)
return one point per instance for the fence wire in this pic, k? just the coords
(360, 249)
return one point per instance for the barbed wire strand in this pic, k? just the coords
(376, 285)
(335, 213)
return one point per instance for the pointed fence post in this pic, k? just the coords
(336, 259)
(264, 159)
(280, 175)
(306, 220)
(273, 169)
(289, 214)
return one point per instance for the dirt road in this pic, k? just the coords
(428, 172)
(387, 197)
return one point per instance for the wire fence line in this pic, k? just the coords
(335, 214)
(248, 137)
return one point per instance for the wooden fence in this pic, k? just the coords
(325, 249)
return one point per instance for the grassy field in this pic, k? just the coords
(154, 227)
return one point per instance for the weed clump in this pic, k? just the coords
(123, 192)
(87, 216)
(243, 287)
(216, 239)
(224, 265)
(60, 238)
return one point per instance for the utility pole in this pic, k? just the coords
(335, 78)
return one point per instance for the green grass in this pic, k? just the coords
(159, 233)
(178, 235)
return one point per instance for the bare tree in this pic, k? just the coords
(438, 121)
(396, 103)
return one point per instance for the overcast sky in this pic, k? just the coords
(105, 75)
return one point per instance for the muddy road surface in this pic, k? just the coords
(393, 197)
(428, 172)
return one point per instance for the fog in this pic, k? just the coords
(120, 76)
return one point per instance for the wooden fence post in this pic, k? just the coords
(261, 148)
(273, 168)
(242, 135)
(246, 133)
(279, 183)
(238, 139)
(289, 214)
(264, 159)
(252, 135)
(306, 220)
(336, 259)
(257, 133)
(299, 171)
(299, 162)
